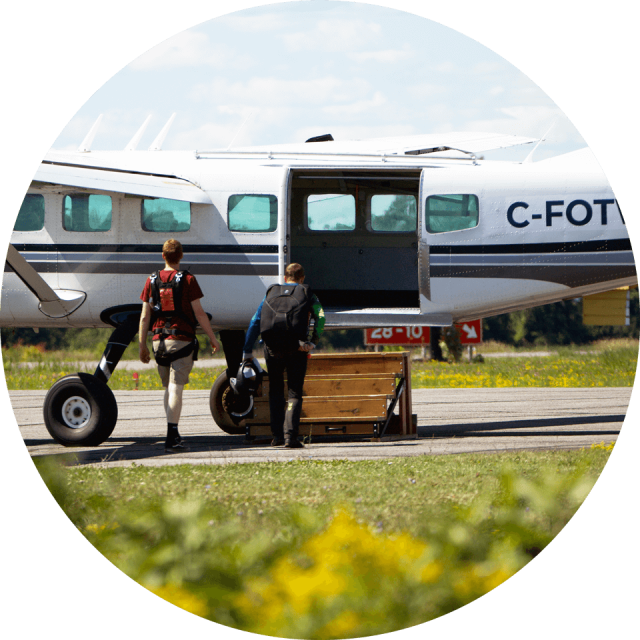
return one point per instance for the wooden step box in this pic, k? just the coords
(349, 394)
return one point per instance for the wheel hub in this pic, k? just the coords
(76, 412)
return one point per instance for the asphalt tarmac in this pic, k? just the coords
(450, 421)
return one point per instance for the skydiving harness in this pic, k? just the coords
(166, 303)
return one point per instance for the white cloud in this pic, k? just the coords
(530, 120)
(356, 132)
(206, 136)
(270, 22)
(358, 107)
(386, 55)
(489, 67)
(446, 67)
(271, 91)
(187, 49)
(334, 36)
(425, 90)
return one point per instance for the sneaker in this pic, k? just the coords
(176, 446)
(277, 442)
(293, 444)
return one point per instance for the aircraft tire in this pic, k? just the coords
(80, 411)
(220, 416)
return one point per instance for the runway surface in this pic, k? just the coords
(449, 421)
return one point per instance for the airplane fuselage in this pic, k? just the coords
(384, 240)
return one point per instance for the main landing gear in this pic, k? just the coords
(80, 410)
(222, 399)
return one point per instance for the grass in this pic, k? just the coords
(604, 364)
(42, 375)
(403, 494)
(327, 549)
(608, 365)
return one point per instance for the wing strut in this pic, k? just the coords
(53, 304)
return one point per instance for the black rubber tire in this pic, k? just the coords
(86, 400)
(220, 416)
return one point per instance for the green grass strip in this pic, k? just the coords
(568, 368)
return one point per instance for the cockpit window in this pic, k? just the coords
(161, 214)
(331, 212)
(87, 212)
(31, 214)
(252, 213)
(451, 212)
(393, 213)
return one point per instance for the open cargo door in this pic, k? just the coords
(355, 232)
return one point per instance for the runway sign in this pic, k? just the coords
(470, 333)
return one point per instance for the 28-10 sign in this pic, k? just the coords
(470, 333)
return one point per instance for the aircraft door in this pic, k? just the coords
(356, 235)
(424, 276)
(450, 234)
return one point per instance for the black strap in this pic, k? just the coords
(178, 312)
(164, 359)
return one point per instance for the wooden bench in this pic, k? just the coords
(348, 394)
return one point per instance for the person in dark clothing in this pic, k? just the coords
(286, 353)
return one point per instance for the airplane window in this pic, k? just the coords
(87, 212)
(31, 214)
(161, 214)
(393, 213)
(252, 213)
(451, 212)
(331, 212)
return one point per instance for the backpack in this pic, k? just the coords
(284, 320)
(166, 303)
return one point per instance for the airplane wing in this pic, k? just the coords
(431, 143)
(465, 141)
(120, 180)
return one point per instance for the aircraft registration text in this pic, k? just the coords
(577, 212)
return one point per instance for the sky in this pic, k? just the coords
(285, 72)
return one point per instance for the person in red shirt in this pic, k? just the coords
(174, 338)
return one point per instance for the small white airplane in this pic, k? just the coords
(411, 231)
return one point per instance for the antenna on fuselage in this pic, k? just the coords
(86, 143)
(251, 114)
(156, 145)
(529, 158)
(136, 138)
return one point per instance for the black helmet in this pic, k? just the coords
(238, 400)
(248, 379)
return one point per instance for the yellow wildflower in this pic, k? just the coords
(476, 580)
(341, 626)
(182, 598)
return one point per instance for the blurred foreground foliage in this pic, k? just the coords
(272, 548)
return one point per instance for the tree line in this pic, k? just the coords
(553, 324)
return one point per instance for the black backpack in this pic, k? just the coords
(284, 320)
